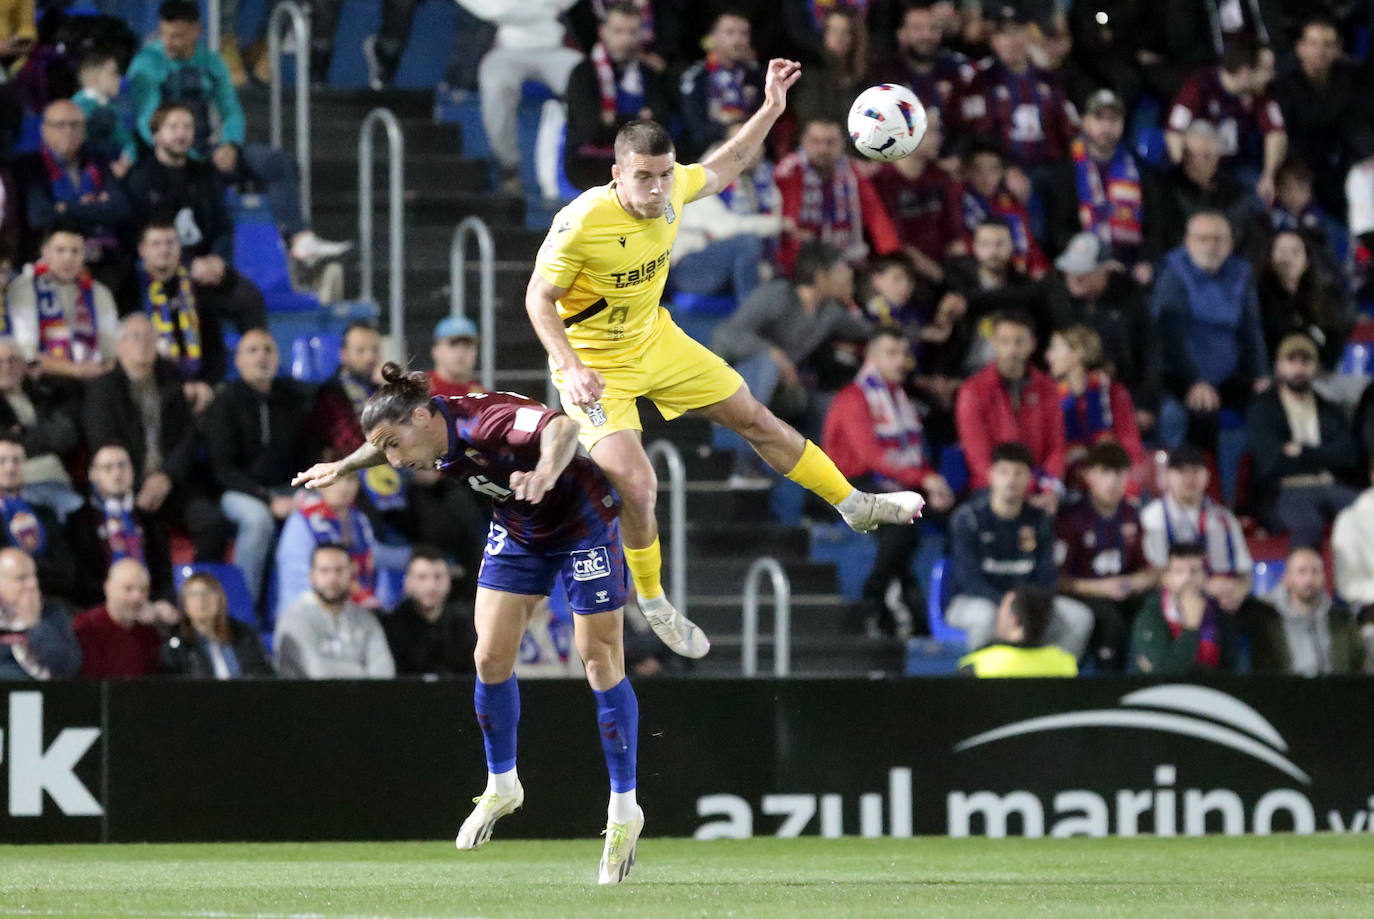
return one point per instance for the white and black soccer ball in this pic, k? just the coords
(887, 122)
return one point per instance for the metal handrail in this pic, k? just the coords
(677, 518)
(212, 29)
(782, 618)
(395, 140)
(457, 271)
(300, 25)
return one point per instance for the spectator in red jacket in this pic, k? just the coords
(1096, 407)
(1009, 400)
(874, 435)
(1235, 98)
(825, 198)
(120, 638)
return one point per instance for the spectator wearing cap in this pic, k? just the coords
(1100, 549)
(1212, 353)
(1096, 407)
(1185, 514)
(455, 357)
(1016, 102)
(36, 640)
(1011, 401)
(1301, 629)
(1302, 447)
(1233, 97)
(1091, 290)
(1018, 647)
(1182, 629)
(1322, 98)
(874, 434)
(999, 542)
(1100, 188)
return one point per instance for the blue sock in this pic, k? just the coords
(617, 716)
(498, 714)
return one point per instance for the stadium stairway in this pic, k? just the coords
(727, 528)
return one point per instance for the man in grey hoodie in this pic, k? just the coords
(1300, 629)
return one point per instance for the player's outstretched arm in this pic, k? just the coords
(725, 165)
(557, 447)
(322, 474)
(584, 385)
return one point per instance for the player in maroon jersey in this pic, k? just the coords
(555, 515)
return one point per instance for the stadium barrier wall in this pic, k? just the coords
(162, 761)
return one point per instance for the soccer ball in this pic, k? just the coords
(887, 122)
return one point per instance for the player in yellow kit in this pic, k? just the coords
(594, 300)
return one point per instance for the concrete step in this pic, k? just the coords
(746, 540)
(811, 614)
(442, 206)
(828, 656)
(333, 103)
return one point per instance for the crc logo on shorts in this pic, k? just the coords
(591, 564)
(596, 414)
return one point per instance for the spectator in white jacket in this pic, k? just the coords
(1352, 543)
(528, 46)
(725, 239)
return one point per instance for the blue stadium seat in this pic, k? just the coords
(1358, 359)
(314, 358)
(936, 601)
(1266, 576)
(231, 579)
(704, 304)
(566, 189)
(1150, 146)
(260, 254)
(954, 468)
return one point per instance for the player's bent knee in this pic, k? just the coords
(603, 667)
(492, 668)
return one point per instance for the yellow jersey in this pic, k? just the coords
(1000, 660)
(613, 265)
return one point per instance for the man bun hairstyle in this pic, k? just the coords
(400, 394)
(643, 137)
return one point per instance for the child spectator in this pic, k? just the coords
(108, 137)
(891, 287)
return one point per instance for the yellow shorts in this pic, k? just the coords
(676, 372)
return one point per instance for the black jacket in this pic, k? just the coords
(156, 189)
(184, 653)
(1267, 430)
(92, 552)
(1174, 197)
(1121, 317)
(443, 647)
(1328, 126)
(108, 217)
(588, 152)
(258, 442)
(111, 416)
(54, 429)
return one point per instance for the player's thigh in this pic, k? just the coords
(596, 583)
(499, 618)
(740, 412)
(512, 578)
(614, 412)
(684, 375)
(621, 456)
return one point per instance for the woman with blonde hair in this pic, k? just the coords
(208, 643)
(1096, 407)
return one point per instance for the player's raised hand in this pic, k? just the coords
(585, 385)
(782, 74)
(318, 475)
(531, 486)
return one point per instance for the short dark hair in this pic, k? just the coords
(1013, 451)
(881, 263)
(97, 56)
(822, 120)
(159, 221)
(644, 137)
(993, 223)
(1014, 316)
(1187, 550)
(1239, 50)
(162, 111)
(354, 326)
(1185, 455)
(886, 331)
(179, 11)
(110, 445)
(423, 552)
(622, 8)
(1033, 607)
(982, 146)
(813, 258)
(1321, 19)
(1108, 454)
(14, 437)
(1295, 169)
(62, 225)
(326, 547)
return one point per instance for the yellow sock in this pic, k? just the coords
(817, 472)
(645, 565)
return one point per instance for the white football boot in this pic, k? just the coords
(675, 630)
(618, 856)
(864, 511)
(490, 808)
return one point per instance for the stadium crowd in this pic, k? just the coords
(1107, 319)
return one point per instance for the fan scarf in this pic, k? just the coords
(22, 526)
(623, 96)
(1088, 415)
(830, 208)
(1113, 213)
(77, 340)
(1209, 633)
(120, 532)
(895, 422)
(326, 527)
(726, 90)
(171, 307)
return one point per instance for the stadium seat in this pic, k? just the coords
(936, 602)
(260, 254)
(1358, 359)
(314, 358)
(954, 468)
(704, 304)
(231, 579)
(1150, 146)
(1266, 576)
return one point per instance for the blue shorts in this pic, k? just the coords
(593, 571)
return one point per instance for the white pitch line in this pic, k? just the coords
(214, 914)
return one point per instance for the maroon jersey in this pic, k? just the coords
(1027, 112)
(1100, 547)
(927, 210)
(1237, 118)
(492, 435)
(941, 86)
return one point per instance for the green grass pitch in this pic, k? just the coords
(1279, 876)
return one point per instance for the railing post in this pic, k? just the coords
(457, 271)
(396, 190)
(299, 18)
(782, 618)
(677, 519)
(212, 25)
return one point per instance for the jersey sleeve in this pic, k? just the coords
(692, 179)
(560, 258)
(505, 420)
